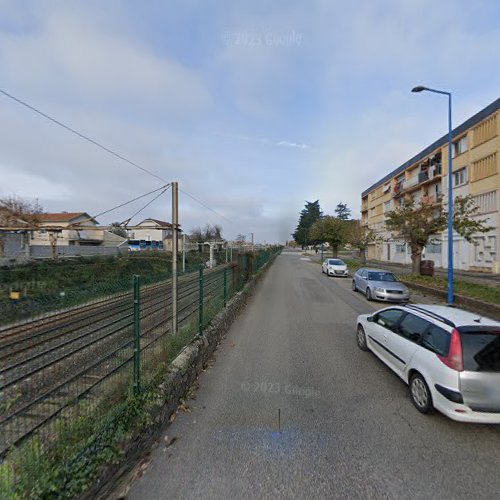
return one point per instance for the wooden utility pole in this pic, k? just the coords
(175, 228)
(183, 253)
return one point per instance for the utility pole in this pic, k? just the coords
(175, 227)
(252, 243)
(211, 255)
(183, 253)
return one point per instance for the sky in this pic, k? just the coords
(253, 107)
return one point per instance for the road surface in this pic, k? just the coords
(292, 409)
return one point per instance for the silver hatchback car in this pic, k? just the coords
(378, 284)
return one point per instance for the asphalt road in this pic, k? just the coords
(292, 409)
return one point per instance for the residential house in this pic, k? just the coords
(72, 236)
(153, 233)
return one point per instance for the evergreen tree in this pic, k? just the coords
(308, 216)
(343, 212)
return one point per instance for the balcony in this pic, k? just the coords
(431, 199)
(417, 180)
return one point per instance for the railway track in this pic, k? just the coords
(60, 359)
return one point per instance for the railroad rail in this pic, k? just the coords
(49, 363)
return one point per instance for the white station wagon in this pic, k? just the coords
(450, 358)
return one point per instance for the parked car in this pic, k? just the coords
(450, 358)
(379, 285)
(334, 267)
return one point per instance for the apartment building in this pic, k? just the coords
(476, 166)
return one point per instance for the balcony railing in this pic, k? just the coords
(417, 179)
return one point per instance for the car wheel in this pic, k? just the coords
(361, 338)
(420, 394)
(354, 287)
(368, 294)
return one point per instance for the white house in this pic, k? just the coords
(154, 230)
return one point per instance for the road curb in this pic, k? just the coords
(183, 372)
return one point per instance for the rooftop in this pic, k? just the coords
(63, 216)
(473, 120)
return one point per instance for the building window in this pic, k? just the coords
(460, 177)
(387, 206)
(459, 146)
(400, 247)
(433, 248)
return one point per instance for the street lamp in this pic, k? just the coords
(450, 191)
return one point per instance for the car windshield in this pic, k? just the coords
(381, 276)
(336, 262)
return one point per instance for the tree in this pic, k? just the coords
(330, 229)
(16, 212)
(208, 233)
(360, 236)
(343, 211)
(240, 239)
(308, 216)
(118, 230)
(418, 224)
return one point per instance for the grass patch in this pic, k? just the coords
(466, 288)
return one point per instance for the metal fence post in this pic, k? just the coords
(137, 334)
(200, 304)
(225, 286)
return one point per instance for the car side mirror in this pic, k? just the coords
(370, 319)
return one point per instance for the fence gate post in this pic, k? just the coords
(225, 286)
(200, 304)
(137, 334)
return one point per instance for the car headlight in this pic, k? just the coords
(380, 290)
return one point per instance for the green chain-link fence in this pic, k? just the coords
(67, 375)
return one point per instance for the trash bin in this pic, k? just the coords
(427, 268)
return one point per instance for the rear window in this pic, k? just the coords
(481, 350)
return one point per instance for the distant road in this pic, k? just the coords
(347, 426)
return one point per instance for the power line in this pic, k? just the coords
(206, 206)
(105, 148)
(79, 134)
(162, 189)
(148, 203)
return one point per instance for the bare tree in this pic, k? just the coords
(208, 233)
(16, 212)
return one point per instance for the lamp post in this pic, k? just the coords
(450, 191)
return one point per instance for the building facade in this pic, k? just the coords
(153, 234)
(476, 165)
(67, 237)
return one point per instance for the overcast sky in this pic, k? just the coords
(254, 107)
